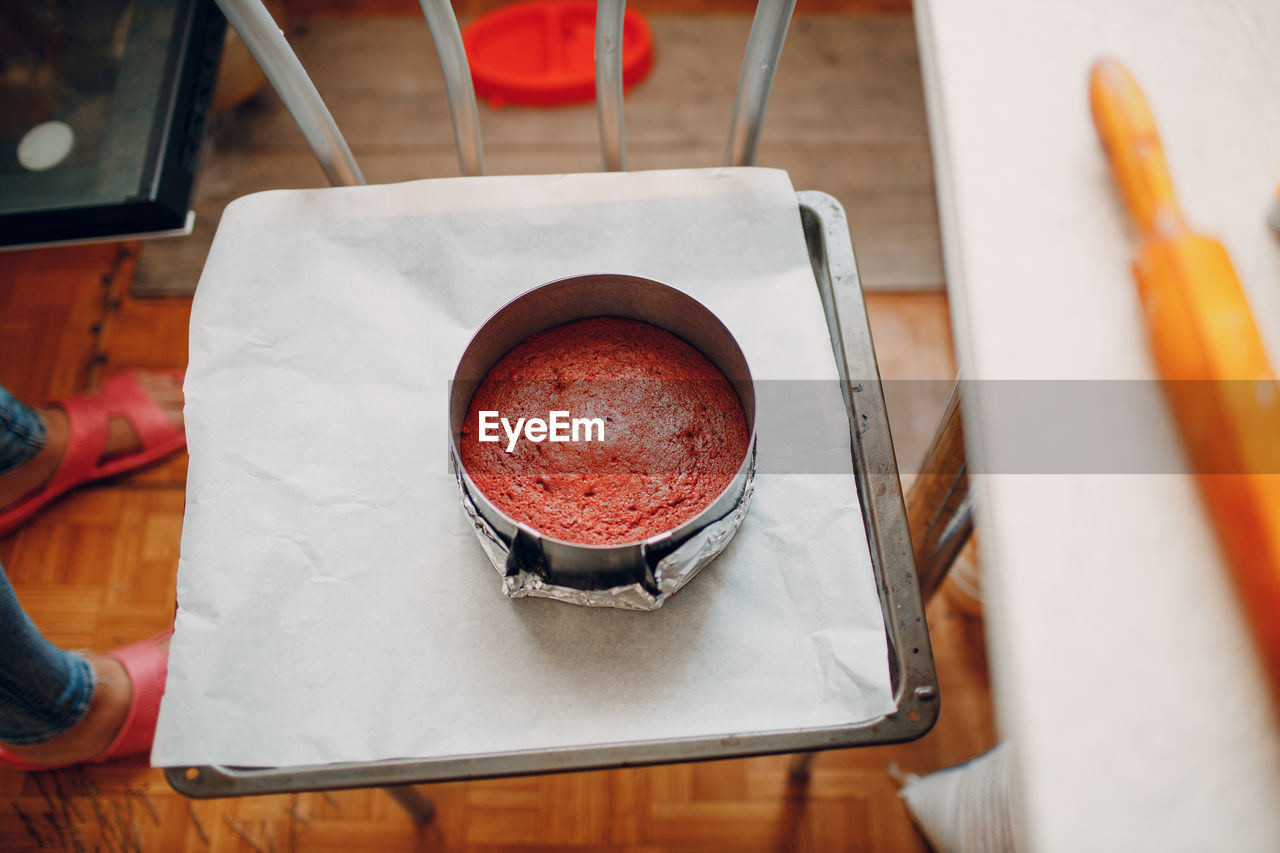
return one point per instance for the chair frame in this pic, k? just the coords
(912, 546)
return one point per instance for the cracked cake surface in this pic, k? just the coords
(674, 432)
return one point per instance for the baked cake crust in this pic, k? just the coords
(675, 433)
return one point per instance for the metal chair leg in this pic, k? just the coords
(613, 125)
(764, 47)
(256, 28)
(447, 38)
(417, 804)
(939, 506)
(801, 766)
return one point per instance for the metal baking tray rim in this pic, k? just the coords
(911, 667)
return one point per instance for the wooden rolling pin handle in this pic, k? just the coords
(1128, 133)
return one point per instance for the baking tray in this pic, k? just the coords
(911, 670)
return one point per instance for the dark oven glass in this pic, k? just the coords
(102, 109)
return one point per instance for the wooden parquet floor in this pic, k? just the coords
(97, 570)
(846, 117)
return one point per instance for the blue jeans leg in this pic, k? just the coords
(43, 690)
(22, 432)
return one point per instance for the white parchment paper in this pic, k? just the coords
(334, 604)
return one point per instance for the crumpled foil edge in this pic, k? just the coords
(672, 572)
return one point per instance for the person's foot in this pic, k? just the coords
(163, 388)
(95, 731)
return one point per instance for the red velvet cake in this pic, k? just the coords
(603, 431)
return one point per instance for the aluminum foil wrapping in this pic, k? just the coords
(672, 572)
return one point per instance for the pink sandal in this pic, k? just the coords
(148, 667)
(87, 416)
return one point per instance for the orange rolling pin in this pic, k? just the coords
(1216, 377)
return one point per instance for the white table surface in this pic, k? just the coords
(1121, 668)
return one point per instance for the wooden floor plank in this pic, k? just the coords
(344, 9)
(51, 302)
